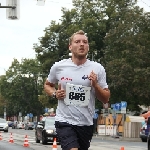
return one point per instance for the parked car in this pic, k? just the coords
(14, 125)
(148, 136)
(3, 125)
(10, 123)
(20, 125)
(144, 133)
(29, 126)
(45, 130)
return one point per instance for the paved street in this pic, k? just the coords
(98, 143)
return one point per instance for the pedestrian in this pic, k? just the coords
(95, 119)
(16, 124)
(79, 81)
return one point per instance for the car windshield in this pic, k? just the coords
(50, 121)
(3, 121)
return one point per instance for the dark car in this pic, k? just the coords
(45, 130)
(148, 137)
(14, 125)
(29, 126)
(144, 133)
(10, 123)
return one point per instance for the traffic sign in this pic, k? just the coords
(123, 104)
(123, 110)
(118, 106)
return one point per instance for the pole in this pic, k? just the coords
(13, 7)
(123, 119)
(105, 125)
(5, 112)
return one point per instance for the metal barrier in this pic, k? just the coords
(106, 130)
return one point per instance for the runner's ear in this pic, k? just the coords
(59, 86)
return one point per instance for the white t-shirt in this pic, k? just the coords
(65, 71)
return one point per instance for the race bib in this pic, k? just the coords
(77, 95)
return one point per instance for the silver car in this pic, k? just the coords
(3, 125)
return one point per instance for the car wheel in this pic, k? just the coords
(148, 146)
(44, 140)
(144, 140)
(37, 140)
(5, 130)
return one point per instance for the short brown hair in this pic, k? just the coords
(81, 32)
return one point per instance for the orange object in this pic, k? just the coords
(0, 136)
(146, 115)
(54, 144)
(26, 144)
(11, 139)
(122, 148)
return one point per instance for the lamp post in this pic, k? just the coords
(10, 80)
(4, 112)
(4, 103)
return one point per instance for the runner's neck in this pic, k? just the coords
(79, 62)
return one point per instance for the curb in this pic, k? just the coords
(119, 138)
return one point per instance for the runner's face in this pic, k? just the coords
(79, 46)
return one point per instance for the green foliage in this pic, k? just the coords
(127, 57)
(85, 15)
(119, 36)
(21, 87)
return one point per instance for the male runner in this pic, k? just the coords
(79, 81)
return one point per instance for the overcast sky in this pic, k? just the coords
(17, 36)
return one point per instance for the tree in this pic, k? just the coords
(124, 52)
(21, 87)
(2, 104)
(86, 15)
(127, 55)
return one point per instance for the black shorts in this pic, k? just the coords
(72, 136)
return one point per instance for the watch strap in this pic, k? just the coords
(54, 94)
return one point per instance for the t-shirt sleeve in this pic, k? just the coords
(102, 78)
(52, 75)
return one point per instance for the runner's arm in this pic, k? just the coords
(102, 94)
(49, 88)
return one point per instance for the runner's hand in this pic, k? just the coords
(60, 93)
(93, 78)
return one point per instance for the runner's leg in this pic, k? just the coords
(67, 136)
(84, 134)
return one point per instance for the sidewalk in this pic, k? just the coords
(119, 138)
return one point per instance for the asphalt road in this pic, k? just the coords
(98, 143)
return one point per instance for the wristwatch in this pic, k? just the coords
(54, 95)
